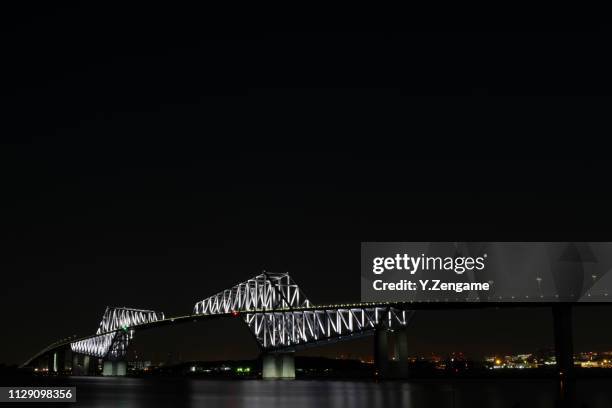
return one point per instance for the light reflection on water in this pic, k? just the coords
(98, 392)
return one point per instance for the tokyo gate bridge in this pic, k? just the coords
(274, 308)
(281, 319)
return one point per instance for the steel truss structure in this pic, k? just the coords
(267, 291)
(281, 317)
(290, 329)
(272, 305)
(114, 332)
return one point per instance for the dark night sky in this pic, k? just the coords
(150, 158)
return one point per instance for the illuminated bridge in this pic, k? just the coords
(282, 320)
(273, 307)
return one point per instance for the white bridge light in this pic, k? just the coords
(112, 335)
(280, 316)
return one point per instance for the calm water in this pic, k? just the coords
(154, 393)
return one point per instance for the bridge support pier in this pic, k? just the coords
(383, 367)
(83, 365)
(564, 352)
(278, 366)
(381, 352)
(88, 363)
(401, 351)
(56, 361)
(77, 369)
(564, 348)
(114, 368)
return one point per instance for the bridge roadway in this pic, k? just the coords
(560, 329)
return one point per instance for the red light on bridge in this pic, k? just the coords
(235, 313)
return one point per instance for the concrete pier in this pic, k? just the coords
(564, 353)
(114, 368)
(564, 345)
(278, 366)
(401, 352)
(381, 352)
(84, 365)
(383, 367)
(56, 361)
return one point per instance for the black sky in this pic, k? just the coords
(150, 158)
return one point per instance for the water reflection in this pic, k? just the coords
(98, 392)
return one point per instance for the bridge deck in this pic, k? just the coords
(397, 305)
